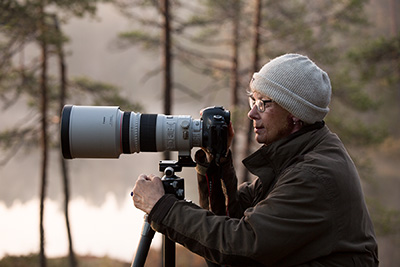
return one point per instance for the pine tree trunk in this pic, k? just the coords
(64, 166)
(44, 137)
(167, 61)
(393, 32)
(256, 59)
(235, 61)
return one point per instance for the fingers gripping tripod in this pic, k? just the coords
(172, 185)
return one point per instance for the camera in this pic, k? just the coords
(108, 132)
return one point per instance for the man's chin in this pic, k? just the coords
(259, 139)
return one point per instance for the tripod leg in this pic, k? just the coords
(169, 252)
(144, 245)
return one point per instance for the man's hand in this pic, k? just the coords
(147, 191)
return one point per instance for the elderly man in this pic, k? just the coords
(306, 206)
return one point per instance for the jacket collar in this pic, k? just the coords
(268, 161)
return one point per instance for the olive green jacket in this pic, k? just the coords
(306, 208)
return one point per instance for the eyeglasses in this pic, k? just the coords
(259, 103)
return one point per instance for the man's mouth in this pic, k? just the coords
(258, 128)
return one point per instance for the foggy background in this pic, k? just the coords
(103, 218)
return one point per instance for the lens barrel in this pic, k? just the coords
(107, 132)
(91, 132)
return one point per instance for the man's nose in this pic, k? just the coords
(253, 113)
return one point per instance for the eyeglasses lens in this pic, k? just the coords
(258, 103)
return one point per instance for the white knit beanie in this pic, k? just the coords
(297, 84)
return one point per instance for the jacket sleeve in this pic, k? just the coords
(201, 231)
(293, 224)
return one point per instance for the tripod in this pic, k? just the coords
(172, 185)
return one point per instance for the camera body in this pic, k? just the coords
(215, 131)
(107, 132)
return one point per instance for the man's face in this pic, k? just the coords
(272, 124)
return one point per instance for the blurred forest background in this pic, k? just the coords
(176, 57)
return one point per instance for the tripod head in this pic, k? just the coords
(173, 184)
